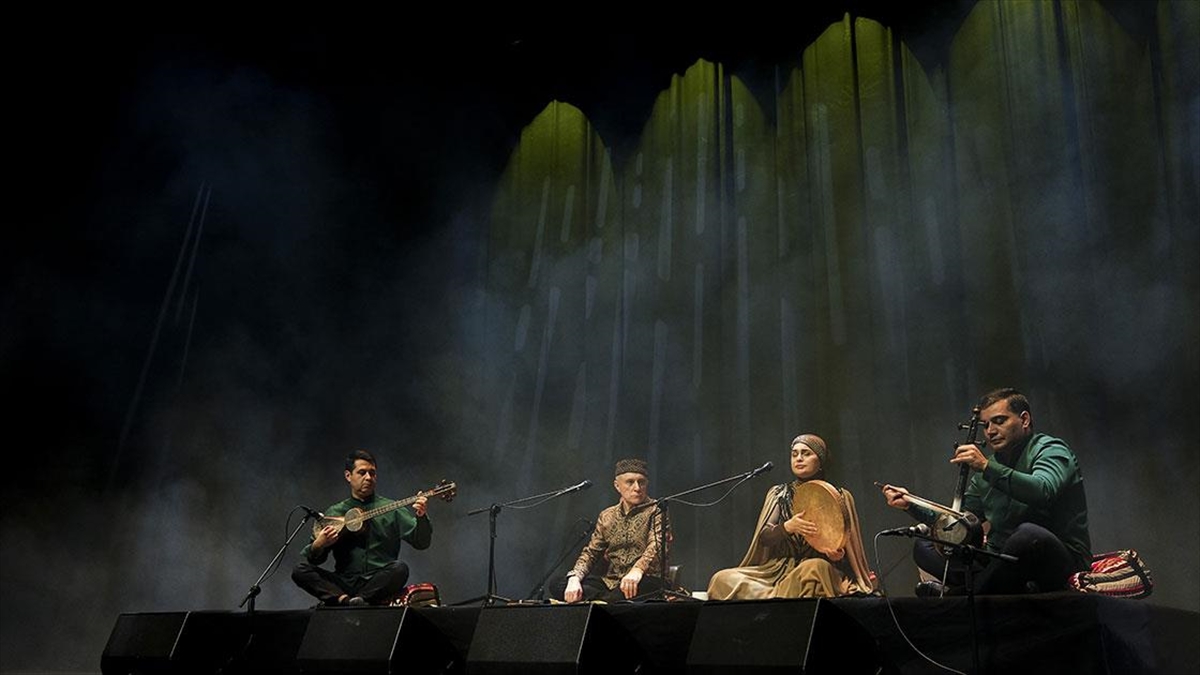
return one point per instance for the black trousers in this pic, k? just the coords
(377, 589)
(1043, 564)
(594, 588)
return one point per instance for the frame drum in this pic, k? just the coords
(822, 504)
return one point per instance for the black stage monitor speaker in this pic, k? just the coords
(549, 640)
(274, 644)
(205, 642)
(374, 640)
(237, 643)
(209, 641)
(780, 636)
(142, 643)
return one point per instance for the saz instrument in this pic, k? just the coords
(354, 518)
(822, 504)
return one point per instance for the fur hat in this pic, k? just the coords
(631, 466)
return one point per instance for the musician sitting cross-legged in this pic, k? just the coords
(807, 543)
(366, 570)
(621, 561)
(1029, 492)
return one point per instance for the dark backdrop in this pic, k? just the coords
(509, 256)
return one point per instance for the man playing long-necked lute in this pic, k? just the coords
(366, 568)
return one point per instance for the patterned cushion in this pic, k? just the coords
(417, 595)
(1118, 574)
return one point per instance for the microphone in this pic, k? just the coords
(575, 488)
(918, 529)
(313, 513)
(764, 468)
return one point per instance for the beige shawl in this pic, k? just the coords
(775, 571)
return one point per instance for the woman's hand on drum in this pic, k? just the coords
(799, 526)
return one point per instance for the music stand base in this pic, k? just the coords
(487, 600)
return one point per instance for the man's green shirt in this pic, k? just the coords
(357, 555)
(1039, 484)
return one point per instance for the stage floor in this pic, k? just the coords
(1046, 633)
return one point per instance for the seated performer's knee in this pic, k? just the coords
(393, 576)
(399, 569)
(1047, 561)
(1027, 536)
(719, 578)
(302, 570)
(927, 557)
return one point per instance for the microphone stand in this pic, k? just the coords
(491, 597)
(539, 591)
(664, 545)
(967, 554)
(257, 588)
(661, 505)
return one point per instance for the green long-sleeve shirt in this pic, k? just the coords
(357, 555)
(1039, 484)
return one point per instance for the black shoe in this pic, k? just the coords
(928, 589)
(935, 589)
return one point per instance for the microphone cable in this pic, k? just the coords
(549, 496)
(718, 500)
(896, 621)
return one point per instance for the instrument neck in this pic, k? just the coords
(964, 472)
(392, 506)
